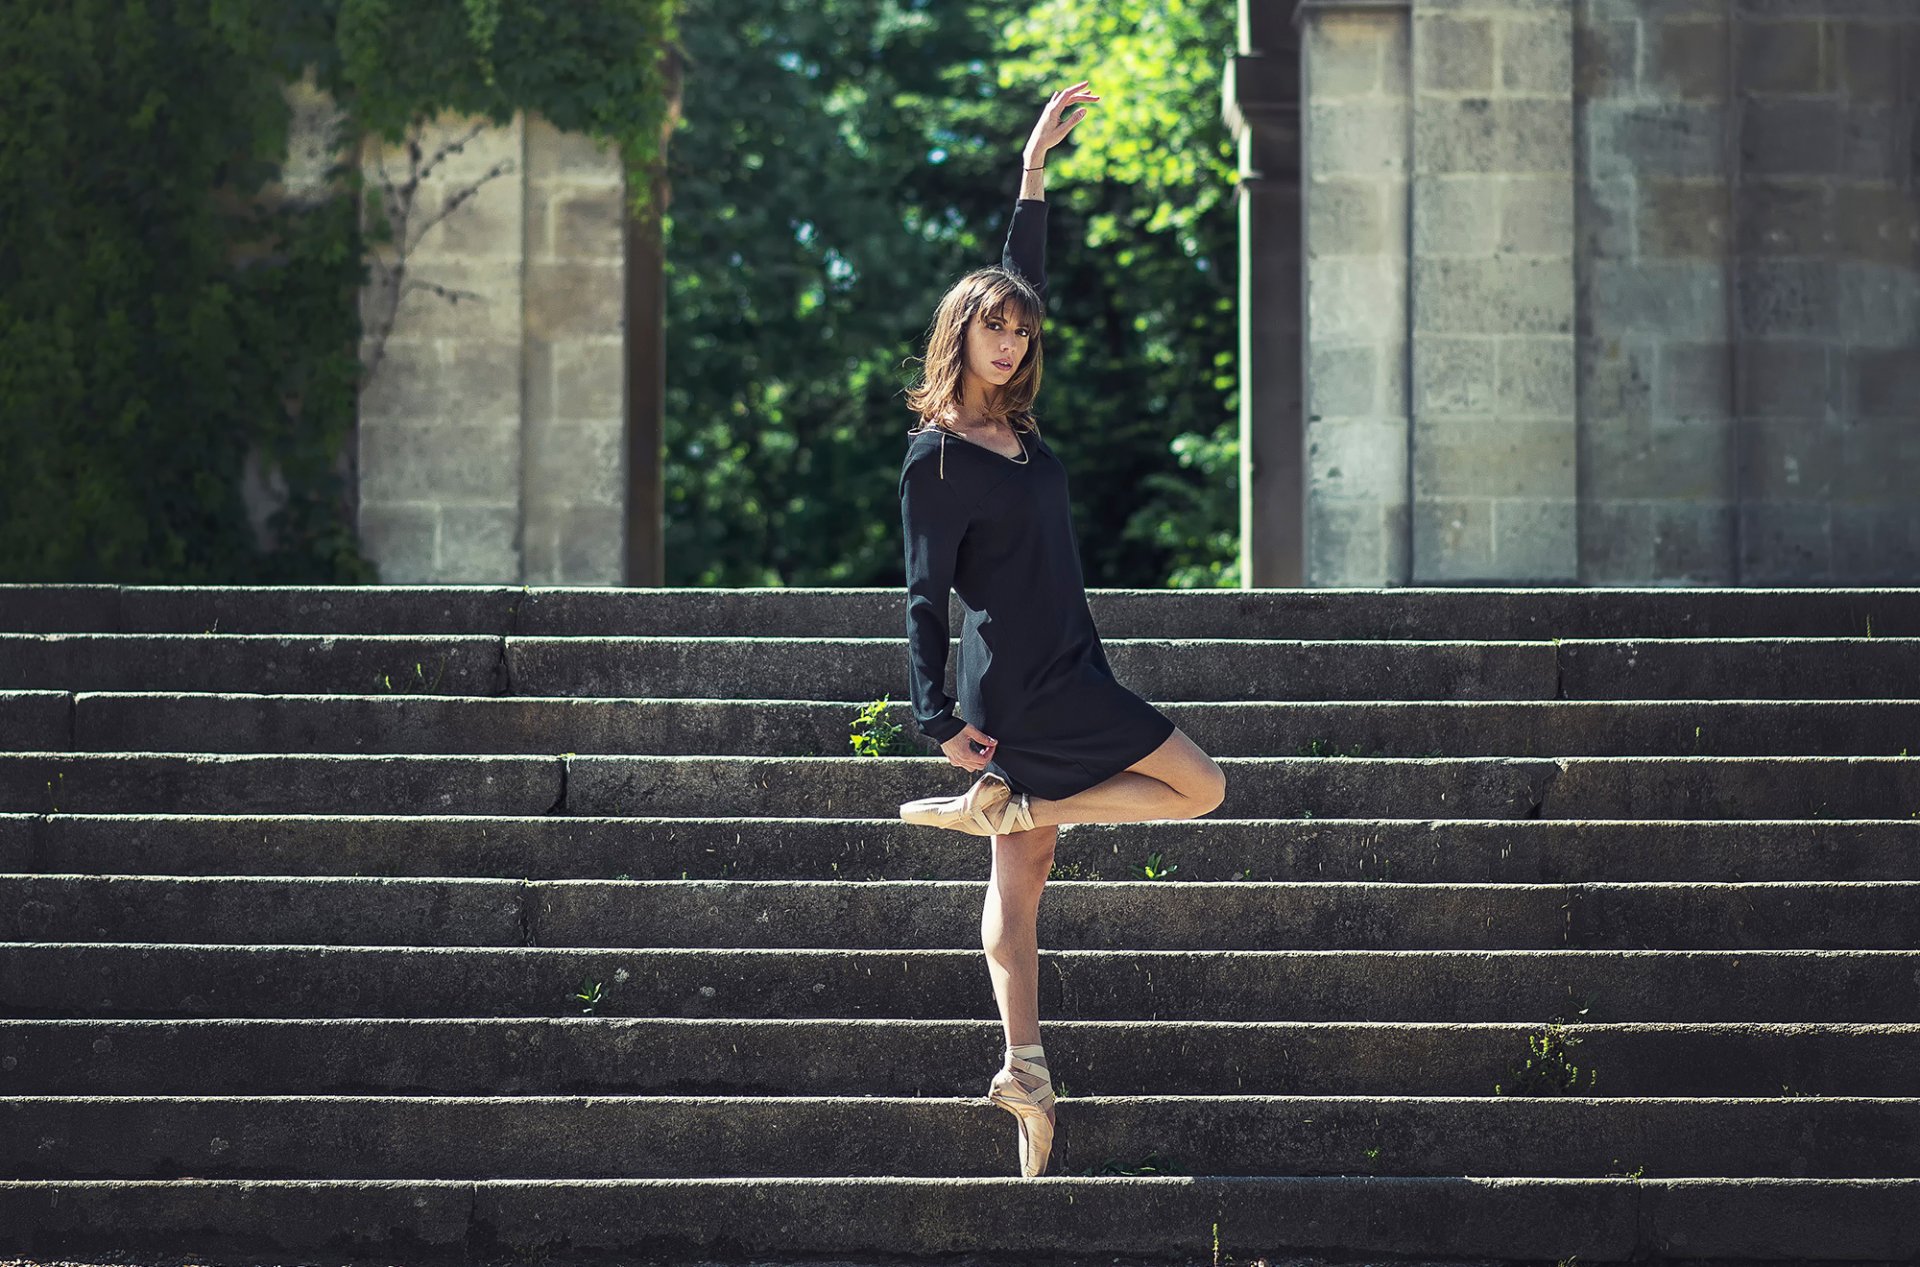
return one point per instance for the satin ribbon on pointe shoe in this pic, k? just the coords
(1028, 1105)
(989, 808)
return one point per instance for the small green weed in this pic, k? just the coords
(588, 996)
(1151, 1164)
(420, 683)
(1071, 871)
(873, 735)
(1155, 868)
(1548, 1069)
(1638, 1172)
(1326, 748)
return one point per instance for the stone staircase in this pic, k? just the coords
(482, 922)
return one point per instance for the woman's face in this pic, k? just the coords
(996, 339)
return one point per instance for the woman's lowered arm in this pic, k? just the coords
(932, 522)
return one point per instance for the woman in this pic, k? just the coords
(984, 513)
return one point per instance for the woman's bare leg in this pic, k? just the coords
(1009, 930)
(1175, 780)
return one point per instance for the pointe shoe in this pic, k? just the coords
(1027, 1103)
(988, 808)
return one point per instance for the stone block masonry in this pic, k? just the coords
(1648, 272)
(1356, 162)
(492, 435)
(1491, 430)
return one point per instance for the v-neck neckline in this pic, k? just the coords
(1026, 451)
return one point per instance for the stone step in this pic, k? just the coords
(823, 668)
(163, 721)
(636, 1137)
(112, 980)
(1591, 1219)
(600, 848)
(869, 787)
(1614, 808)
(1391, 612)
(945, 914)
(595, 1055)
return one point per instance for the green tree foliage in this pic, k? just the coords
(159, 319)
(154, 323)
(1152, 176)
(841, 162)
(595, 68)
(844, 161)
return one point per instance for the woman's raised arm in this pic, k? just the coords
(1026, 248)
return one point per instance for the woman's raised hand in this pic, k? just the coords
(1054, 123)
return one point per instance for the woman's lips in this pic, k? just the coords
(1005, 365)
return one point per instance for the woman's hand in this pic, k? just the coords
(960, 750)
(1054, 125)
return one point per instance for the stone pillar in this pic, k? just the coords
(1657, 435)
(492, 430)
(440, 451)
(1492, 293)
(1356, 145)
(1261, 104)
(1827, 259)
(573, 436)
(1662, 296)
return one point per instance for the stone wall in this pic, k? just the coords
(492, 432)
(1661, 307)
(1492, 307)
(1657, 471)
(1825, 269)
(1357, 140)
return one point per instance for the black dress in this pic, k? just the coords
(996, 531)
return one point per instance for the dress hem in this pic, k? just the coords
(1121, 768)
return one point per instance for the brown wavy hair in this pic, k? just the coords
(999, 292)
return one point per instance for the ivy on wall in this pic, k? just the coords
(160, 318)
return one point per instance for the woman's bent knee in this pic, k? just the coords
(1212, 791)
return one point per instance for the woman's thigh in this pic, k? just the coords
(1183, 765)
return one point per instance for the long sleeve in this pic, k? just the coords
(1026, 249)
(932, 522)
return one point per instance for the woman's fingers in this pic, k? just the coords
(1054, 122)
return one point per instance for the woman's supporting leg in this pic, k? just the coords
(1009, 923)
(1175, 780)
